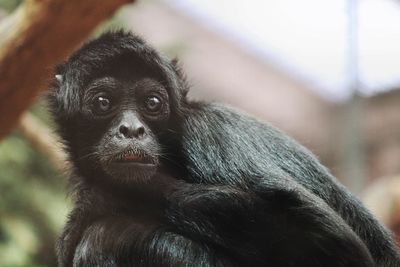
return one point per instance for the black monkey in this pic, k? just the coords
(160, 180)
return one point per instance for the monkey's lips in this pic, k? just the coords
(134, 156)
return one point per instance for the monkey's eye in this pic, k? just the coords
(153, 104)
(102, 104)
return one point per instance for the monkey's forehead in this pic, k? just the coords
(111, 54)
(119, 54)
(114, 43)
(113, 49)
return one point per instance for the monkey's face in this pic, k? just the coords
(116, 102)
(120, 125)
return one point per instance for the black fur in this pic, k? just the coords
(227, 190)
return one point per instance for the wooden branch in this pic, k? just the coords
(43, 140)
(39, 34)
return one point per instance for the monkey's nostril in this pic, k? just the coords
(123, 129)
(140, 131)
(131, 131)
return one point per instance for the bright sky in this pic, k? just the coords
(308, 38)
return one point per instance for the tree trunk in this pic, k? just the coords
(36, 36)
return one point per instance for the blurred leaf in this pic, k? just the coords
(9, 5)
(33, 205)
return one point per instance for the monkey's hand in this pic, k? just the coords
(113, 241)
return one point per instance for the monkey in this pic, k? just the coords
(159, 179)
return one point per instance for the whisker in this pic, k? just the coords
(88, 155)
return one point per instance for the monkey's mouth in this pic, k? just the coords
(134, 156)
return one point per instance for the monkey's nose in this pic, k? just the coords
(131, 131)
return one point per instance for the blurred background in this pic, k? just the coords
(326, 72)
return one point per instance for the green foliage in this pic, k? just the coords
(33, 205)
(9, 5)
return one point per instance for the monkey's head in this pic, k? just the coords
(116, 101)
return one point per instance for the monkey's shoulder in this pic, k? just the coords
(219, 140)
(223, 125)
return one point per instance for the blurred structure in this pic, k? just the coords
(381, 123)
(383, 199)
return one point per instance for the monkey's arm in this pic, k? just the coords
(78, 220)
(278, 223)
(122, 241)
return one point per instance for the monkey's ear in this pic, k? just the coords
(177, 67)
(181, 76)
(63, 93)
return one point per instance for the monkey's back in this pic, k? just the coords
(224, 145)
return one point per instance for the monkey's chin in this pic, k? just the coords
(132, 172)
